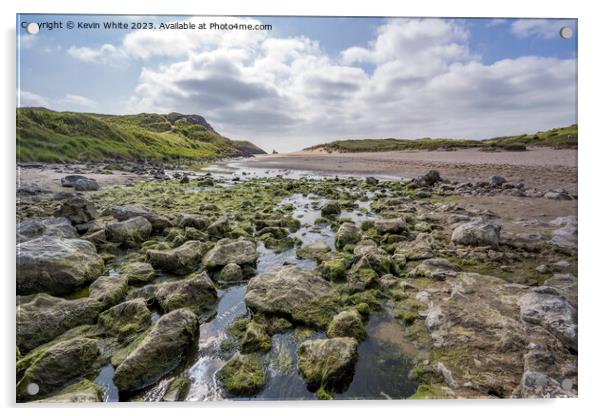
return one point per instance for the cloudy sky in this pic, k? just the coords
(310, 80)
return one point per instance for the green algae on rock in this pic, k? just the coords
(162, 349)
(243, 375)
(328, 363)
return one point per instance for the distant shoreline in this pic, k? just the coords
(542, 167)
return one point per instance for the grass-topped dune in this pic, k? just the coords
(562, 137)
(48, 136)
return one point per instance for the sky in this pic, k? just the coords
(309, 80)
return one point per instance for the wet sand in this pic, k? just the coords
(542, 168)
(49, 178)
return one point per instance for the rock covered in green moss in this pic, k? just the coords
(420, 248)
(228, 251)
(46, 317)
(334, 267)
(328, 363)
(348, 233)
(177, 390)
(180, 260)
(51, 368)
(255, 338)
(109, 289)
(55, 265)
(52, 227)
(293, 292)
(376, 258)
(192, 220)
(196, 292)
(126, 319)
(361, 276)
(313, 251)
(219, 228)
(138, 272)
(83, 392)
(129, 233)
(347, 323)
(77, 209)
(477, 233)
(230, 273)
(243, 375)
(391, 226)
(125, 212)
(330, 209)
(162, 349)
(437, 268)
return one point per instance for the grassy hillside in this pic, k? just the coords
(558, 138)
(48, 136)
(248, 147)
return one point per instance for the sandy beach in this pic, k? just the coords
(533, 167)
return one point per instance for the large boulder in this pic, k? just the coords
(161, 350)
(293, 292)
(125, 212)
(109, 290)
(328, 363)
(46, 317)
(230, 273)
(138, 272)
(196, 293)
(219, 228)
(86, 184)
(347, 324)
(70, 180)
(431, 178)
(130, 233)
(436, 268)
(243, 375)
(348, 233)
(376, 258)
(52, 227)
(313, 251)
(477, 233)
(192, 220)
(180, 260)
(255, 338)
(125, 319)
(83, 392)
(78, 210)
(391, 226)
(53, 367)
(418, 249)
(227, 251)
(546, 307)
(565, 238)
(330, 209)
(55, 265)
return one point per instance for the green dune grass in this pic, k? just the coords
(563, 137)
(47, 136)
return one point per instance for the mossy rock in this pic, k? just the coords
(347, 323)
(255, 339)
(243, 375)
(425, 391)
(238, 327)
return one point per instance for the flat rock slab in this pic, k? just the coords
(292, 292)
(55, 265)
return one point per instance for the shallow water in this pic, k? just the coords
(384, 358)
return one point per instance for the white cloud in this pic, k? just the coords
(541, 28)
(106, 53)
(29, 99)
(416, 78)
(72, 102)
